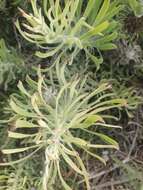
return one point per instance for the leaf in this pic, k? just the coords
(79, 9)
(105, 39)
(3, 177)
(89, 7)
(65, 185)
(109, 125)
(22, 33)
(102, 146)
(31, 83)
(102, 12)
(92, 119)
(108, 46)
(34, 7)
(70, 162)
(105, 138)
(17, 150)
(95, 10)
(96, 30)
(75, 140)
(96, 60)
(34, 102)
(49, 53)
(20, 160)
(115, 103)
(95, 156)
(24, 124)
(22, 89)
(101, 88)
(19, 135)
(86, 176)
(74, 7)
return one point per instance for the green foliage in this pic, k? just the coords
(10, 180)
(113, 75)
(20, 177)
(2, 4)
(137, 7)
(132, 173)
(54, 117)
(11, 65)
(71, 26)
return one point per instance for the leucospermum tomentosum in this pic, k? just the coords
(52, 123)
(71, 25)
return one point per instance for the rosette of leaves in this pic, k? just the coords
(10, 65)
(71, 26)
(48, 114)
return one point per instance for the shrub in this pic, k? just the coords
(50, 117)
(71, 25)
